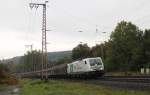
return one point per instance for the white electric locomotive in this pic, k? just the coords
(88, 67)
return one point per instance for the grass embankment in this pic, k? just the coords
(6, 82)
(70, 88)
(3, 87)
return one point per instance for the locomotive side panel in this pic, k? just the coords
(77, 67)
(88, 67)
(91, 67)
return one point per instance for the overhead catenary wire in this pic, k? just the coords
(88, 22)
(91, 23)
(77, 20)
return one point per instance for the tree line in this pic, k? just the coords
(128, 49)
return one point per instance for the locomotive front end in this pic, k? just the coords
(96, 66)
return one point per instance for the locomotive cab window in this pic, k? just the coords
(95, 61)
(99, 62)
(92, 62)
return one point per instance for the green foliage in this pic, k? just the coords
(6, 77)
(126, 47)
(29, 61)
(127, 50)
(97, 50)
(3, 87)
(146, 46)
(3, 71)
(56, 87)
(63, 60)
(81, 51)
(2, 66)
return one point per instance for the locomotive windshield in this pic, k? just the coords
(95, 61)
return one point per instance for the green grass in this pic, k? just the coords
(3, 87)
(38, 87)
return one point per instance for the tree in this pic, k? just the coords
(126, 42)
(2, 70)
(63, 60)
(30, 61)
(4, 73)
(146, 47)
(81, 51)
(99, 51)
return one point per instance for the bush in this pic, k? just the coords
(5, 77)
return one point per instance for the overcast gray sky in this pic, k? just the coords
(19, 25)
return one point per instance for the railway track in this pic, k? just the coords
(136, 79)
(118, 82)
(124, 82)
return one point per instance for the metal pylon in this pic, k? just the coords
(44, 45)
(44, 63)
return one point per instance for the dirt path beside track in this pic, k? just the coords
(11, 90)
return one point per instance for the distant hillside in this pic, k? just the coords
(52, 56)
(12, 60)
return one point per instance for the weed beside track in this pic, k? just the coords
(64, 87)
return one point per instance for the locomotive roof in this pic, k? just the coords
(86, 58)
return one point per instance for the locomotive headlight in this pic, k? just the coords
(97, 67)
(101, 68)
